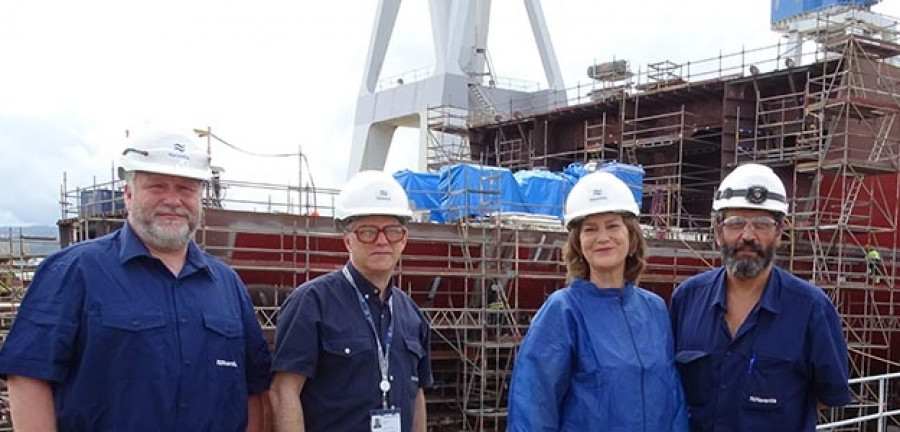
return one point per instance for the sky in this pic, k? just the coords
(278, 76)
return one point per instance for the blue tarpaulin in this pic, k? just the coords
(472, 190)
(424, 192)
(632, 175)
(574, 171)
(545, 192)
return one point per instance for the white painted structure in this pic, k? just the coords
(461, 79)
(824, 23)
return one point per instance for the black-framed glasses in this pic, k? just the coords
(370, 233)
(758, 223)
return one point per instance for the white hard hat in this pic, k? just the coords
(164, 152)
(372, 193)
(599, 192)
(752, 186)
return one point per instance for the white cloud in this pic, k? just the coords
(277, 74)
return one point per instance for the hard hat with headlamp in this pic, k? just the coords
(164, 152)
(370, 193)
(599, 192)
(752, 186)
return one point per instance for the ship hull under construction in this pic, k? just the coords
(828, 128)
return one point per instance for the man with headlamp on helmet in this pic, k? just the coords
(758, 349)
(351, 349)
(140, 330)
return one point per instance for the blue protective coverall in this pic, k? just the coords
(597, 360)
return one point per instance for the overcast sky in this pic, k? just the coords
(272, 75)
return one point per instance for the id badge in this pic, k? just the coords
(385, 420)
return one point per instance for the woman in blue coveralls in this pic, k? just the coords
(599, 354)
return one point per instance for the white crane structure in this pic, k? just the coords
(822, 19)
(461, 78)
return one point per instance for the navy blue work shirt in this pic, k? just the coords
(128, 346)
(323, 335)
(788, 355)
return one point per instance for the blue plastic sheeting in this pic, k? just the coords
(423, 190)
(787, 9)
(470, 190)
(98, 201)
(632, 175)
(574, 171)
(544, 191)
(476, 190)
(864, 3)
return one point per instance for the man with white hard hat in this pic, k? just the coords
(758, 349)
(351, 349)
(140, 330)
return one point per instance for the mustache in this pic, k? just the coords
(745, 245)
(180, 211)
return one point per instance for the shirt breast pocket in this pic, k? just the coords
(695, 368)
(225, 344)
(766, 378)
(134, 342)
(346, 350)
(349, 363)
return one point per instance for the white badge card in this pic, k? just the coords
(385, 420)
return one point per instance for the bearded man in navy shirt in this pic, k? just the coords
(757, 348)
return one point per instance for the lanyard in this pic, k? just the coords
(385, 351)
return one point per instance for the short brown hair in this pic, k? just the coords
(577, 267)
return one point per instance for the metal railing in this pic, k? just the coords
(877, 411)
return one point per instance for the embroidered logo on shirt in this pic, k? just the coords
(768, 401)
(227, 363)
(415, 378)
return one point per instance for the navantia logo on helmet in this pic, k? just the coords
(598, 195)
(180, 148)
(179, 156)
(383, 195)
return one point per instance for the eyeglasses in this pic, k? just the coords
(369, 233)
(758, 223)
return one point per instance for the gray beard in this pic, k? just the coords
(747, 267)
(162, 238)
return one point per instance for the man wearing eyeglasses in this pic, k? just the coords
(351, 349)
(758, 349)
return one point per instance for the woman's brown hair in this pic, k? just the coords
(577, 267)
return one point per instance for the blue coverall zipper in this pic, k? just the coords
(640, 362)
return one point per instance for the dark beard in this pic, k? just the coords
(747, 267)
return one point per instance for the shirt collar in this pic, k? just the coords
(587, 286)
(131, 246)
(769, 300)
(363, 284)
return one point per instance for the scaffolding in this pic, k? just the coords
(21, 252)
(827, 124)
(447, 142)
(829, 131)
(674, 149)
(849, 117)
(467, 276)
(827, 127)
